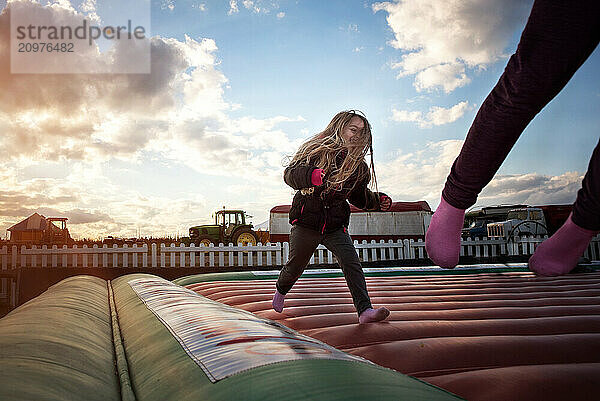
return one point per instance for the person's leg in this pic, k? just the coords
(303, 242)
(340, 244)
(586, 210)
(559, 254)
(558, 38)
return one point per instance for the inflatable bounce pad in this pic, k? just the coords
(140, 337)
(483, 336)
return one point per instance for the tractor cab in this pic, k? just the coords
(57, 231)
(228, 220)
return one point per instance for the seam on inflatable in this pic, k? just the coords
(122, 367)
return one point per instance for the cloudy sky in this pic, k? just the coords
(236, 86)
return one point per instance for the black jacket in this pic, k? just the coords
(327, 212)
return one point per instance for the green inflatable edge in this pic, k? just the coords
(59, 345)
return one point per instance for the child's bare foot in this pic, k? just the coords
(442, 240)
(278, 299)
(373, 315)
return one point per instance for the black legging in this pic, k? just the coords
(558, 38)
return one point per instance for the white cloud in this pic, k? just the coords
(201, 6)
(167, 4)
(60, 4)
(352, 28)
(256, 7)
(448, 76)
(96, 207)
(88, 7)
(249, 5)
(532, 189)
(64, 117)
(178, 114)
(421, 176)
(440, 40)
(233, 7)
(435, 116)
(407, 116)
(440, 116)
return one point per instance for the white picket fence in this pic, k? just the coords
(6, 286)
(270, 254)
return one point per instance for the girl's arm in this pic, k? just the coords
(299, 176)
(365, 199)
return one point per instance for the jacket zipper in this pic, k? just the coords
(325, 207)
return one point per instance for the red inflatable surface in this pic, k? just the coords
(500, 336)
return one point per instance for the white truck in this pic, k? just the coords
(522, 221)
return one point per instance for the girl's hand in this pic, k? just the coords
(385, 202)
(317, 176)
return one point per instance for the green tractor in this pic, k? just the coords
(230, 226)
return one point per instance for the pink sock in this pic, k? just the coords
(373, 315)
(442, 240)
(278, 299)
(559, 253)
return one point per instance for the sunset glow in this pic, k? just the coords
(234, 90)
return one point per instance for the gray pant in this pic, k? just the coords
(304, 241)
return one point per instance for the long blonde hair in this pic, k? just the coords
(324, 148)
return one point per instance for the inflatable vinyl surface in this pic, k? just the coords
(140, 337)
(483, 336)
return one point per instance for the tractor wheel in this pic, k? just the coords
(205, 240)
(245, 236)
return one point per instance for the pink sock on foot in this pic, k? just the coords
(442, 240)
(373, 315)
(278, 299)
(559, 253)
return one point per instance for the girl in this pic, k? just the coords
(327, 170)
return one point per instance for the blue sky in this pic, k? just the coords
(237, 85)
